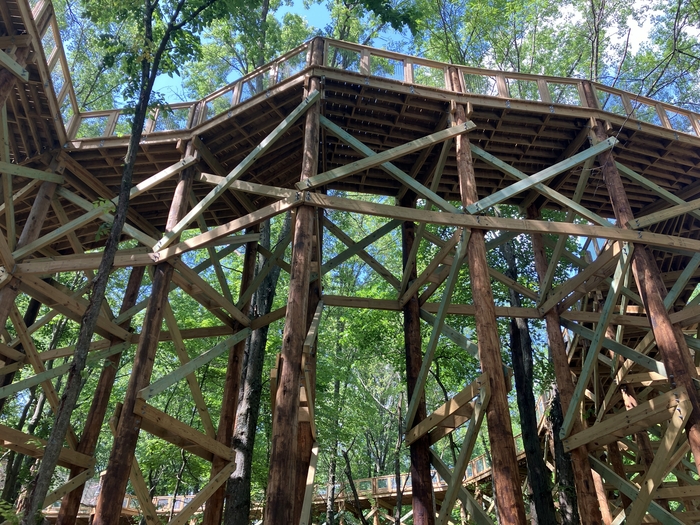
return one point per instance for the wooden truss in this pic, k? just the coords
(317, 140)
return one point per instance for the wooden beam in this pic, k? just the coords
(8, 197)
(68, 486)
(497, 223)
(475, 510)
(309, 491)
(360, 245)
(543, 189)
(465, 455)
(392, 170)
(385, 156)
(13, 67)
(262, 273)
(33, 446)
(437, 329)
(542, 176)
(237, 172)
(203, 495)
(256, 217)
(643, 416)
(445, 411)
(597, 341)
(183, 371)
(631, 491)
(30, 173)
(452, 334)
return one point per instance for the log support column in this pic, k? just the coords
(215, 504)
(669, 337)
(505, 474)
(121, 458)
(88, 441)
(282, 479)
(586, 495)
(421, 481)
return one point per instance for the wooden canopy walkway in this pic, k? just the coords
(307, 133)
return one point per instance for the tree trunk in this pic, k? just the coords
(521, 349)
(568, 504)
(238, 502)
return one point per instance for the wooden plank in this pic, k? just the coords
(655, 188)
(86, 262)
(437, 330)
(238, 171)
(452, 334)
(498, 223)
(644, 415)
(558, 250)
(669, 213)
(540, 177)
(392, 170)
(153, 181)
(47, 375)
(56, 234)
(362, 254)
(229, 228)
(189, 367)
(383, 157)
(475, 510)
(430, 269)
(541, 188)
(30, 173)
(192, 382)
(312, 334)
(360, 245)
(182, 517)
(250, 187)
(178, 428)
(465, 455)
(34, 447)
(13, 67)
(657, 470)
(682, 280)
(446, 410)
(8, 197)
(597, 340)
(677, 493)
(67, 487)
(630, 490)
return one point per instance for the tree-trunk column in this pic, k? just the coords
(669, 338)
(421, 481)
(505, 474)
(305, 438)
(224, 433)
(281, 486)
(586, 495)
(88, 441)
(109, 502)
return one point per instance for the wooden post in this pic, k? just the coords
(585, 487)
(8, 79)
(215, 504)
(506, 480)
(669, 338)
(70, 505)
(306, 440)
(281, 486)
(109, 502)
(421, 482)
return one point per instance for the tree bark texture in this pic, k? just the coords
(504, 469)
(421, 481)
(121, 457)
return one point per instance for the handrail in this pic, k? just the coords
(367, 61)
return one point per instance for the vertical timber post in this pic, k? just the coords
(109, 502)
(421, 481)
(281, 486)
(305, 440)
(586, 496)
(70, 505)
(505, 474)
(669, 337)
(215, 504)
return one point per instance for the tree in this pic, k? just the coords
(166, 37)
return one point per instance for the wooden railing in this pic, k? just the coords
(370, 62)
